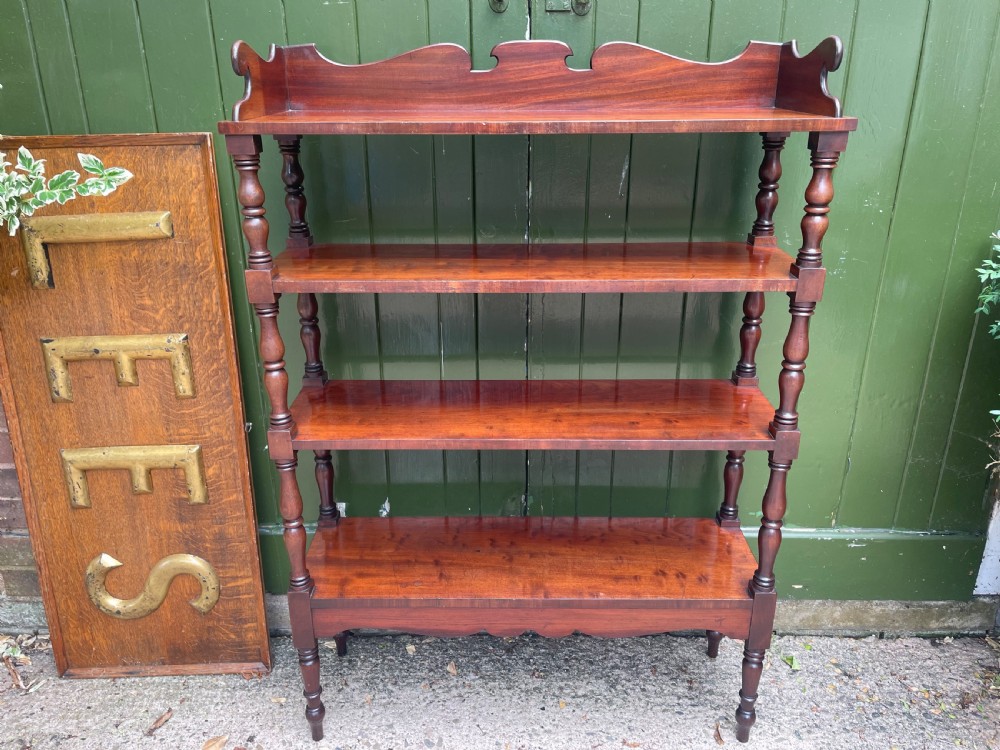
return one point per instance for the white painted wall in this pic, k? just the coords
(988, 582)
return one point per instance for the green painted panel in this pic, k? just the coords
(874, 564)
(962, 500)
(56, 56)
(117, 95)
(928, 206)
(951, 339)
(22, 102)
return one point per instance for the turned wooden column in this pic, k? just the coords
(753, 311)
(728, 515)
(245, 152)
(292, 175)
(808, 268)
(767, 190)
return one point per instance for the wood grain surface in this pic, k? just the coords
(168, 285)
(544, 414)
(551, 575)
(620, 267)
(628, 89)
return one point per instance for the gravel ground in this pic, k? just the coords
(528, 692)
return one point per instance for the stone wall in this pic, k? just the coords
(20, 597)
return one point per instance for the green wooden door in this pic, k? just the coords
(887, 499)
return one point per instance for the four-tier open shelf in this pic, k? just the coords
(554, 576)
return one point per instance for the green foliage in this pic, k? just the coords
(24, 189)
(989, 297)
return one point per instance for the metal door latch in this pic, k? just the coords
(580, 7)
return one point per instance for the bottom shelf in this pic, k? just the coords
(456, 576)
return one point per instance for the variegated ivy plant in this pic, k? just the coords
(24, 189)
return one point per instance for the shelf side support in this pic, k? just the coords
(762, 233)
(728, 515)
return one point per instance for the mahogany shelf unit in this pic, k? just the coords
(554, 576)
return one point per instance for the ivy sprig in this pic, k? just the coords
(989, 297)
(24, 189)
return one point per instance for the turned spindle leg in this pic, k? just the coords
(315, 373)
(245, 151)
(753, 664)
(714, 638)
(328, 513)
(728, 515)
(753, 312)
(767, 190)
(300, 590)
(299, 234)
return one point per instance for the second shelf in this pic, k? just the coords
(621, 267)
(532, 414)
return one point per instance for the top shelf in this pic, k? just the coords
(628, 89)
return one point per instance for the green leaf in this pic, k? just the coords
(65, 195)
(91, 163)
(64, 180)
(25, 161)
(46, 196)
(792, 662)
(12, 224)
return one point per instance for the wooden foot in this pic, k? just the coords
(753, 664)
(341, 640)
(714, 638)
(309, 664)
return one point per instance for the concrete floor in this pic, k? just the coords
(528, 692)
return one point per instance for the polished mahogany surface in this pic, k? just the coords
(550, 562)
(628, 89)
(532, 414)
(621, 267)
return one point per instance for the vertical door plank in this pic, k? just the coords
(21, 98)
(57, 66)
(117, 95)
(928, 206)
